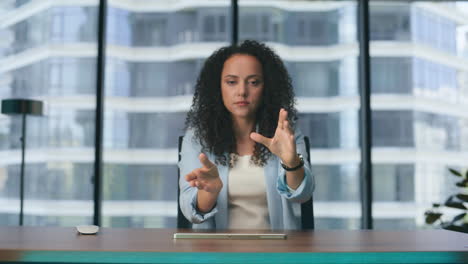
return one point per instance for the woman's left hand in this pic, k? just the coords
(282, 144)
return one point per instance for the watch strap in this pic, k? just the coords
(301, 164)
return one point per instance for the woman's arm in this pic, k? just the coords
(189, 165)
(294, 178)
(304, 190)
(283, 145)
(206, 180)
(286, 144)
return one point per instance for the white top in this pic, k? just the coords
(247, 201)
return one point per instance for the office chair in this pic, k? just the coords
(182, 222)
(307, 210)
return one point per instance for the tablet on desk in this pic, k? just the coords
(228, 236)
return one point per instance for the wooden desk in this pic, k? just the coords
(112, 245)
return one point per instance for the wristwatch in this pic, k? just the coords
(301, 164)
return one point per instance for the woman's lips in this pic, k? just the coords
(242, 103)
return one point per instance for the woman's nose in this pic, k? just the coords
(242, 89)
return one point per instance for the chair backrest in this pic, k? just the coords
(182, 222)
(307, 209)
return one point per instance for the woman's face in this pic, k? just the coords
(242, 85)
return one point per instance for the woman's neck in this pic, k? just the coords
(242, 129)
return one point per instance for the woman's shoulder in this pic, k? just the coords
(190, 138)
(189, 132)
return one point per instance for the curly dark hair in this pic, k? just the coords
(211, 121)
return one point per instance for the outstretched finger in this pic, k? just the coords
(190, 176)
(288, 127)
(205, 161)
(260, 139)
(281, 118)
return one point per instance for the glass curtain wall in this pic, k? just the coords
(154, 52)
(419, 81)
(318, 42)
(419, 65)
(48, 53)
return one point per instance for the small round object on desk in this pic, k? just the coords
(87, 229)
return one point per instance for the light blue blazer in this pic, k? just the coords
(284, 204)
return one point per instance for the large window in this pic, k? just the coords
(48, 53)
(318, 43)
(153, 58)
(154, 52)
(419, 103)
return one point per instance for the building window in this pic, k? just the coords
(393, 182)
(390, 22)
(392, 129)
(213, 25)
(391, 75)
(323, 129)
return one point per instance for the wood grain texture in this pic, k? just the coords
(23, 239)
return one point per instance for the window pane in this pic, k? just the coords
(48, 54)
(155, 51)
(317, 40)
(419, 96)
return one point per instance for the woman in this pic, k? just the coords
(243, 163)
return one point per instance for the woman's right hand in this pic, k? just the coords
(205, 178)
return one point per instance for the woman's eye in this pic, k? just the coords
(255, 83)
(231, 82)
